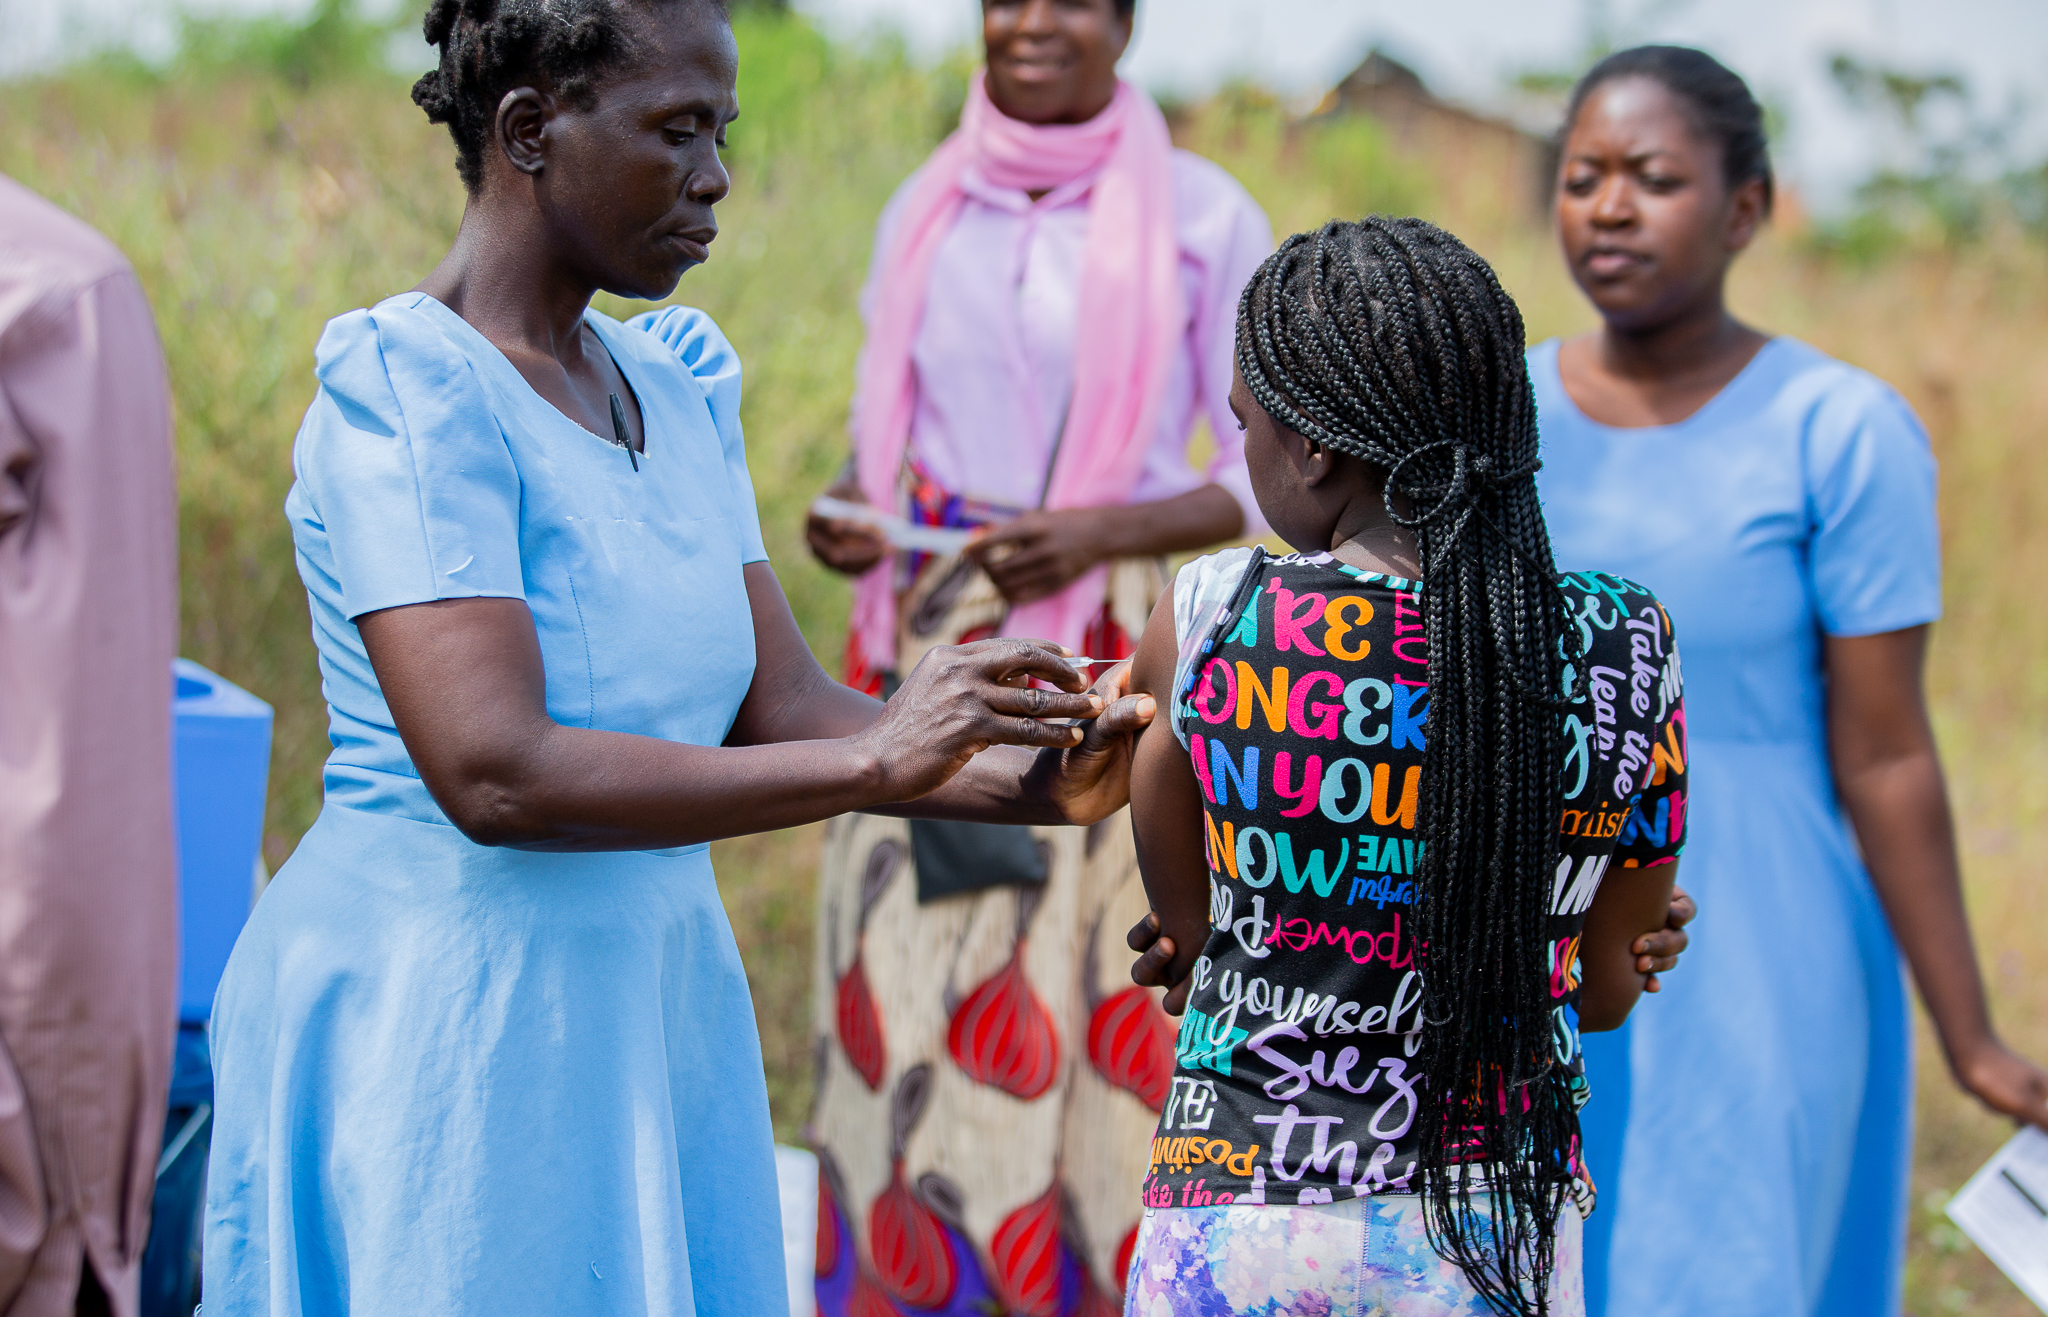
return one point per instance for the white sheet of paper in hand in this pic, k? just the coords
(2004, 1208)
(899, 532)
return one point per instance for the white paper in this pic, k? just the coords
(2004, 1208)
(796, 1176)
(898, 531)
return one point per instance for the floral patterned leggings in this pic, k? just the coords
(1362, 1257)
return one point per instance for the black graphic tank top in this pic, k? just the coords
(1306, 723)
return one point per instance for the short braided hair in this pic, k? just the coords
(489, 47)
(1391, 341)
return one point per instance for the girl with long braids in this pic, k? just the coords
(1418, 802)
(1784, 502)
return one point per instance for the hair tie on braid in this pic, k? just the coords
(1472, 478)
(1390, 341)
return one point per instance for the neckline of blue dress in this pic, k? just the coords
(479, 345)
(1752, 370)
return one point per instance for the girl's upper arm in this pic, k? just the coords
(1630, 903)
(1166, 802)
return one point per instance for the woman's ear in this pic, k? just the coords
(522, 128)
(1747, 208)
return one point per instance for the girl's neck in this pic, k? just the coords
(1365, 537)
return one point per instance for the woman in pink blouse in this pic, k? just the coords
(1051, 308)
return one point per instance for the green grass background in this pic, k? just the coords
(258, 204)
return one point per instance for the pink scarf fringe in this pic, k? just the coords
(1130, 320)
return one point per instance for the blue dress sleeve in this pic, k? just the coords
(1876, 542)
(709, 357)
(406, 467)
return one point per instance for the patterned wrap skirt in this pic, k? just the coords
(988, 1078)
(1360, 1257)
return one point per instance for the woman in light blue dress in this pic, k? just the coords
(486, 1046)
(1750, 1130)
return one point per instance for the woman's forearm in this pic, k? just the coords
(582, 790)
(1194, 520)
(466, 687)
(1888, 775)
(1899, 808)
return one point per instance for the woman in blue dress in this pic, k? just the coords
(486, 1046)
(1751, 1129)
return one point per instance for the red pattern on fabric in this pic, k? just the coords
(1004, 1036)
(1130, 1044)
(869, 1301)
(1026, 1253)
(1124, 1252)
(862, 675)
(909, 1247)
(1106, 638)
(828, 1229)
(860, 1025)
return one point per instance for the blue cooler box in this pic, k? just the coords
(223, 772)
(222, 762)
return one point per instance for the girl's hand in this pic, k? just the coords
(1155, 961)
(2006, 1082)
(1041, 553)
(1092, 781)
(848, 547)
(1658, 952)
(961, 699)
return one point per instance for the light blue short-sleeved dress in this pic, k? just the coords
(1750, 1129)
(456, 1079)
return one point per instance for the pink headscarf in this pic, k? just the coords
(1129, 323)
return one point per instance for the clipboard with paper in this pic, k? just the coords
(2004, 1210)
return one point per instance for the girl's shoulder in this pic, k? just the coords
(1600, 601)
(1582, 586)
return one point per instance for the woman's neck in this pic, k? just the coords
(523, 305)
(1641, 376)
(1691, 343)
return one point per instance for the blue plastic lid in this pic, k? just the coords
(199, 693)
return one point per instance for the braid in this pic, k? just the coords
(1389, 340)
(489, 47)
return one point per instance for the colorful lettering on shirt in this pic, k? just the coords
(1295, 1070)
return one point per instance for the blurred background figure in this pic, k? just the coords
(1050, 309)
(1751, 1134)
(88, 879)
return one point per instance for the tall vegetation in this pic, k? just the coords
(274, 179)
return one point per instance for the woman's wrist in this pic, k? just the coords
(864, 771)
(1105, 533)
(1969, 1049)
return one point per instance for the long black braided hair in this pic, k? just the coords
(488, 47)
(1391, 341)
